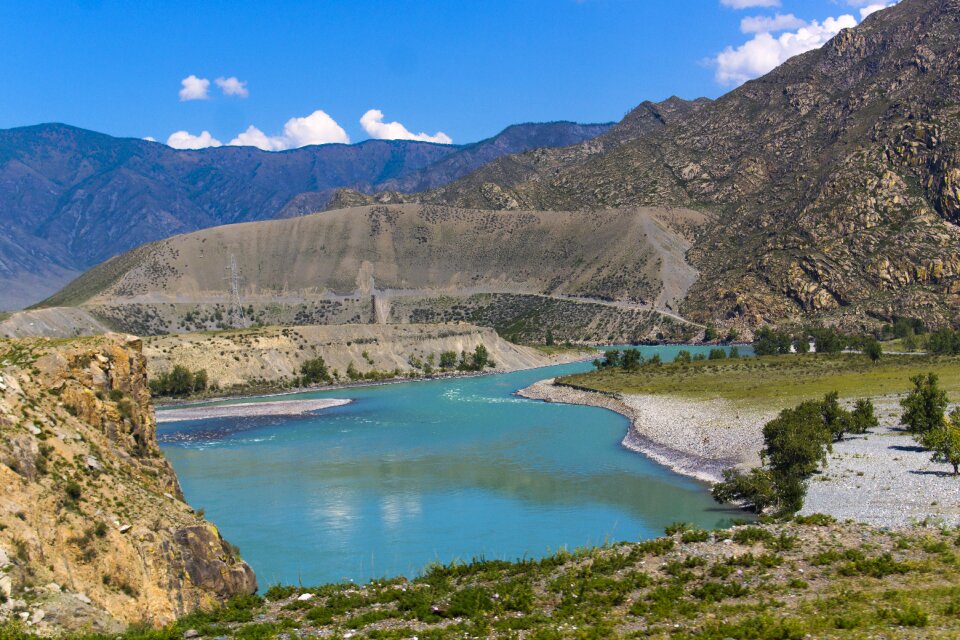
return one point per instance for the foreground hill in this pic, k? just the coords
(809, 579)
(94, 529)
(586, 276)
(835, 179)
(72, 198)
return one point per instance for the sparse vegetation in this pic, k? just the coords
(812, 578)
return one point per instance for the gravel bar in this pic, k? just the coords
(882, 478)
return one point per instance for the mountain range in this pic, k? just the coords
(828, 189)
(71, 198)
(833, 181)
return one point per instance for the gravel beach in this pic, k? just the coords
(278, 408)
(696, 438)
(881, 478)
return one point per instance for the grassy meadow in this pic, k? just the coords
(777, 381)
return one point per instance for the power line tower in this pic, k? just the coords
(234, 278)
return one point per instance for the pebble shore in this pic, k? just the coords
(882, 478)
(245, 409)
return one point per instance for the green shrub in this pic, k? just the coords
(314, 371)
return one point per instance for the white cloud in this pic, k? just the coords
(768, 24)
(186, 140)
(874, 7)
(764, 52)
(749, 4)
(316, 128)
(194, 88)
(232, 86)
(253, 137)
(372, 122)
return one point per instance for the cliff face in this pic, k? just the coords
(94, 530)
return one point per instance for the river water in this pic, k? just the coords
(414, 473)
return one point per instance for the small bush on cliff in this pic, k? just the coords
(73, 491)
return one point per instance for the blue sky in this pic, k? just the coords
(461, 68)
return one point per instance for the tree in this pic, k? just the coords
(924, 407)
(717, 354)
(480, 358)
(611, 359)
(755, 487)
(352, 372)
(200, 381)
(862, 417)
(944, 442)
(733, 335)
(734, 353)
(448, 359)
(795, 445)
(683, 357)
(710, 333)
(179, 381)
(828, 340)
(835, 418)
(631, 360)
(314, 370)
(944, 343)
(872, 349)
(549, 340)
(768, 342)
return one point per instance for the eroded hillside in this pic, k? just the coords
(580, 273)
(94, 530)
(275, 354)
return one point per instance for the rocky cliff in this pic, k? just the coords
(94, 530)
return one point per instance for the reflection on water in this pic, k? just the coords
(415, 473)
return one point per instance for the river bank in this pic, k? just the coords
(882, 478)
(693, 438)
(277, 391)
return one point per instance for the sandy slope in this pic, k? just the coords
(236, 357)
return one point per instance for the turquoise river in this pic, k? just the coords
(434, 471)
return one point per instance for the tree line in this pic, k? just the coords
(179, 382)
(633, 359)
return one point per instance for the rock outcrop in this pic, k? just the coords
(94, 530)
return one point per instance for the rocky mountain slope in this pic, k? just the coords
(72, 198)
(835, 179)
(94, 530)
(408, 263)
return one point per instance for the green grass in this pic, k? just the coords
(564, 349)
(830, 581)
(777, 381)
